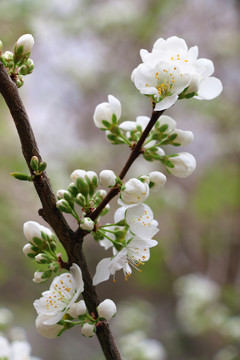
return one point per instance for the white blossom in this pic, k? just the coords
(107, 178)
(88, 330)
(64, 291)
(17, 350)
(105, 111)
(175, 51)
(141, 222)
(27, 41)
(184, 165)
(158, 179)
(135, 252)
(78, 309)
(48, 331)
(106, 309)
(134, 192)
(163, 81)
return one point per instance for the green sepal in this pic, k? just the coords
(172, 137)
(46, 274)
(169, 164)
(151, 184)
(106, 124)
(163, 128)
(21, 176)
(37, 241)
(73, 190)
(114, 119)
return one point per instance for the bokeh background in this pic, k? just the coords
(187, 298)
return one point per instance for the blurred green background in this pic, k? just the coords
(85, 50)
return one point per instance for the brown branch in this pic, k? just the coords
(71, 241)
(137, 150)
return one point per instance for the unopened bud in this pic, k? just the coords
(87, 224)
(64, 206)
(28, 250)
(88, 330)
(183, 165)
(24, 44)
(42, 258)
(38, 277)
(107, 309)
(34, 163)
(80, 200)
(157, 180)
(107, 178)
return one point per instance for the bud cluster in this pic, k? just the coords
(41, 246)
(18, 63)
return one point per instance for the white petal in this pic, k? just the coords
(143, 121)
(175, 43)
(164, 119)
(102, 271)
(77, 275)
(192, 53)
(181, 83)
(204, 67)
(128, 125)
(115, 105)
(209, 89)
(120, 214)
(144, 75)
(166, 103)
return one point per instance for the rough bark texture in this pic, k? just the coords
(72, 241)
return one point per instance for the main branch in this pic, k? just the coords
(71, 241)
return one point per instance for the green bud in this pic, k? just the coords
(20, 81)
(42, 166)
(34, 163)
(20, 176)
(82, 186)
(80, 200)
(64, 206)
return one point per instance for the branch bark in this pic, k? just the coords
(71, 241)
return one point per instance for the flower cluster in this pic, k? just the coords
(42, 247)
(172, 71)
(17, 62)
(17, 350)
(59, 307)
